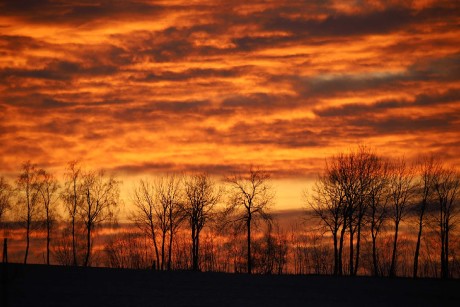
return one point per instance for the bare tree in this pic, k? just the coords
(328, 204)
(428, 168)
(378, 206)
(28, 186)
(447, 189)
(170, 212)
(352, 173)
(251, 196)
(49, 195)
(6, 192)
(201, 197)
(401, 189)
(73, 198)
(144, 200)
(101, 198)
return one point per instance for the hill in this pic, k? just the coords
(40, 285)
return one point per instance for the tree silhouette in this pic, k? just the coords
(48, 191)
(401, 192)
(428, 167)
(170, 212)
(6, 193)
(72, 195)
(447, 190)
(28, 186)
(250, 196)
(144, 215)
(201, 196)
(101, 198)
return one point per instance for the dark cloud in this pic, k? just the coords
(403, 124)
(84, 11)
(421, 100)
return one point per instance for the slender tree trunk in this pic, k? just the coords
(197, 250)
(74, 213)
(27, 238)
(342, 235)
(358, 242)
(163, 250)
(152, 231)
(417, 246)
(351, 262)
(249, 244)
(194, 260)
(393, 256)
(88, 243)
(48, 226)
(170, 247)
(336, 253)
(441, 223)
(374, 254)
(446, 254)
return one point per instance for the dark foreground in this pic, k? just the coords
(39, 285)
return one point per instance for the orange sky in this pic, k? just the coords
(143, 87)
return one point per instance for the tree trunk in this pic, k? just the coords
(163, 251)
(48, 226)
(342, 235)
(249, 244)
(417, 246)
(170, 247)
(152, 231)
(358, 242)
(74, 212)
(336, 253)
(194, 258)
(351, 262)
(374, 252)
(393, 256)
(88, 243)
(27, 239)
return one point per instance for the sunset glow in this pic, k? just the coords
(145, 87)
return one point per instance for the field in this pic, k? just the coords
(39, 285)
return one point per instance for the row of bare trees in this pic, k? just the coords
(161, 207)
(362, 201)
(87, 197)
(361, 193)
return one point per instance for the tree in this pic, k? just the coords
(48, 192)
(73, 199)
(6, 192)
(201, 197)
(28, 186)
(401, 191)
(428, 167)
(144, 200)
(447, 190)
(328, 205)
(170, 212)
(101, 198)
(250, 196)
(378, 206)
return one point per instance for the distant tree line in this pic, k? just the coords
(366, 214)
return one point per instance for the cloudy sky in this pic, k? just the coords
(143, 87)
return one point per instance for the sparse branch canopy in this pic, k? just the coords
(144, 214)
(6, 193)
(101, 199)
(201, 196)
(250, 197)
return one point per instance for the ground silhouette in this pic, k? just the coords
(40, 285)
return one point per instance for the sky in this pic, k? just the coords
(147, 87)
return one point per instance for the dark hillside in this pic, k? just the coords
(39, 285)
